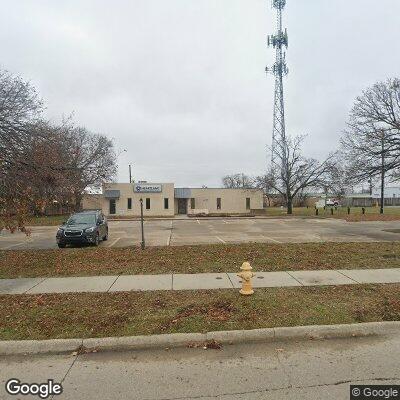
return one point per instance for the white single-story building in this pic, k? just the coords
(164, 200)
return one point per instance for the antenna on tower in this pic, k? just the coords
(279, 41)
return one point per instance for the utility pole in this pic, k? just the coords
(382, 171)
(142, 224)
(130, 173)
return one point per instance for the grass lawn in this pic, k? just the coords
(197, 259)
(54, 220)
(124, 314)
(371, 213)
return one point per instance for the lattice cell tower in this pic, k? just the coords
(279, 42)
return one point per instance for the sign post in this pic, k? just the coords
(142, 223)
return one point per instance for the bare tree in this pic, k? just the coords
(238, 181)
(371, 142)
(301, 198)
(42, 162)
(291, 173)
(378, 108)
(265, 183)
(20, 108)
(337, 180)
(91, 159)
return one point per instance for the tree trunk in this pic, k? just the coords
(382, 176)
(289, 205)
(78, 201)
(382, 192)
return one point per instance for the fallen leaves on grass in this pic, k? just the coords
(371, 217)
(219, 311)
(86, 315)
(196, 259)
(391, 309)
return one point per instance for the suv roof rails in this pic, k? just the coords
(87, 211)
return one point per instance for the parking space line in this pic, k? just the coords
(14, 245)
(272, 240)
(114, 242)
(170, 234)
(223, 241)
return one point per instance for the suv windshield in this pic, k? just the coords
(79, 219)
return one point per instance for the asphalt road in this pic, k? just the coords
(201, 231)
(281, 370)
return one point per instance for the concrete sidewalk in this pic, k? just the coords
(126, 283)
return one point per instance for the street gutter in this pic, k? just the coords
(299, 333)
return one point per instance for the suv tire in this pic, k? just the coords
(105, 238)
(61, 245)
(96, 243)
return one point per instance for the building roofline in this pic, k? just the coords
(216, 188)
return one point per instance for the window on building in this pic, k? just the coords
(113, 207)
(147, 204)
(192, 203)
(218, 203)
(247, 203)
(166, 204)
(129, 204)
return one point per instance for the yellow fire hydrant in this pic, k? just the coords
(246, 275)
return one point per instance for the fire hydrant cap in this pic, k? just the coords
(246, 267)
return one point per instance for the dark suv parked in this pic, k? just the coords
(87, 227)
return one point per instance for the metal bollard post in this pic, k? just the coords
(363, 211)
(142, 224)
(316, 211)
(331, 211)
(348, 210)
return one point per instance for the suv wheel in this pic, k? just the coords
(61, 245)
(106, 236)
(96, 243)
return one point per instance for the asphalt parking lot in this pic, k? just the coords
(207, 231)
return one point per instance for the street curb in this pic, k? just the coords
(316, 332)
(284, 216)
(53, 346)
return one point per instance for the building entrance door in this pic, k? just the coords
(182, 206)
(113, 207)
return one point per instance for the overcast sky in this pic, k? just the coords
(180, 84)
